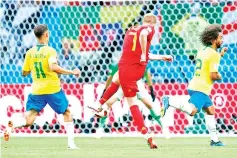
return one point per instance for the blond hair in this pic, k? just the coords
(149, 18)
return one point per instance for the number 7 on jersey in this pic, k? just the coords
(134, 40)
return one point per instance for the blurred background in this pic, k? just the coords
(89, 35)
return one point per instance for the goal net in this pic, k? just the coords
(89, 35)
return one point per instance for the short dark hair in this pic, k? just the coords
(39, 30)
(209, 34)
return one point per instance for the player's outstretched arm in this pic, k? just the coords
(160, 57)
(58, 69)
(53, 64)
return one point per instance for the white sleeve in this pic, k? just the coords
(146, 31)
(52, 60)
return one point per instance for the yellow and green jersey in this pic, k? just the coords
(207, 61)
(38, 60)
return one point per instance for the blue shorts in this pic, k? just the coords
(199, 99)
(57, 101)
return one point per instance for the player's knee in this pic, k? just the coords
(210, 110)
(131, 100)
(67, 116)
(211, 113)
(194, 111)
(116, 79)
(116, 82)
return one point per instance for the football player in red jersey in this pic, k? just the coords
(132, 67)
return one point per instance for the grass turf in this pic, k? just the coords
(116, 148)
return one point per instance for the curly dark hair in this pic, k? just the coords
(209, 34)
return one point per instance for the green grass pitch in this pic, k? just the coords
(116, 148)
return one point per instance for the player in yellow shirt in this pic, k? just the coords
(41, 62)
(199, 88)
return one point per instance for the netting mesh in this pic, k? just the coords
(89, 35)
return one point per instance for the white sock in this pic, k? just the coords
(105, 107)
(180, 104)
(70, 133)
(211, 125)
(147, 136)
(97, 105)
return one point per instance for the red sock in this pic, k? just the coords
(113, 88)
(138, 119)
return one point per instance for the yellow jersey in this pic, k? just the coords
(37, 61)
(207, 61)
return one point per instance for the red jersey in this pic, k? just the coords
(131, 47)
